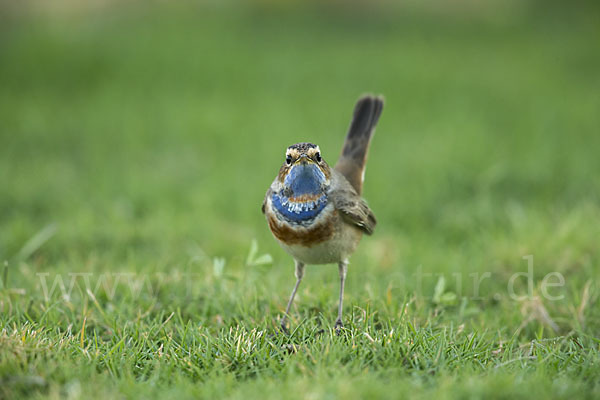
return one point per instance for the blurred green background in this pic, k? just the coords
(147, 132)
(149, 125)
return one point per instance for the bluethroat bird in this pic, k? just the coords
(316, 212)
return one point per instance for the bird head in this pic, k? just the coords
(304, 173)
(302, 183)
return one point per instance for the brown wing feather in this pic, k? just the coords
(354, 209)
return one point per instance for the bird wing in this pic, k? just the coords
(353, 208)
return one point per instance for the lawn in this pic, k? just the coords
(136, 145)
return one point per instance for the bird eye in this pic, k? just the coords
(288, 160)
(318, 157)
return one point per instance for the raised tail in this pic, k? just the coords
(354, 153)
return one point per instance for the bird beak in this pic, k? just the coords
(304, 159)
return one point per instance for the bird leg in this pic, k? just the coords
(343, 268)
(299, 274)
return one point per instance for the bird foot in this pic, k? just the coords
(339, 325)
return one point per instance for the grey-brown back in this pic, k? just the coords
(353, 159)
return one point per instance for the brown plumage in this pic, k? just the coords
(354, 210)
(304, 236)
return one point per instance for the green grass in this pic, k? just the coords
(135, 148)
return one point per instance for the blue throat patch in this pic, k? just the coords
(305, 179)
(298, 211)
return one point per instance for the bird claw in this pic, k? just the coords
(338, 327)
